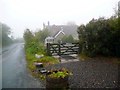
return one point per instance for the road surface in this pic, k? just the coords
(14, 71)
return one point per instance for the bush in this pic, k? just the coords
(100, 37)
(60, 73)
(68, 39)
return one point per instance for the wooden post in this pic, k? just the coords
(48, 49)
(79, 48)
(59, 50)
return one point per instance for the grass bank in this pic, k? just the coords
(30, 52)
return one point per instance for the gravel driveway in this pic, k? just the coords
(91, 74)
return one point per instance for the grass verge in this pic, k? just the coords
(46, 60)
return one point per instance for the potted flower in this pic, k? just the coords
(57, 78)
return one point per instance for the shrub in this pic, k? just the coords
(100, 37)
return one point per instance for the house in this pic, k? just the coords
(59, 35)
(67, 29)
(58, 31)
(56, 38)
(49, 40)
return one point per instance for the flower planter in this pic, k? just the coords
(57, 79)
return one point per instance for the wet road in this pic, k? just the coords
(14, 71)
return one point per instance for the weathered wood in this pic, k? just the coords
(48, 49)
(63, 49)
(59, 50)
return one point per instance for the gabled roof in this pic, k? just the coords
(61, 31)
(67, 29)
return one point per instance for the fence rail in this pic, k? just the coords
(63, 48)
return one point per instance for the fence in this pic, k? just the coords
(63, 48)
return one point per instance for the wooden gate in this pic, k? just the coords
(62, 49)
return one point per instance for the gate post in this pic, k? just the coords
(48, 49)
(79, 50)
(59, 53)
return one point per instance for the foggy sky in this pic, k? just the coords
(22, 14)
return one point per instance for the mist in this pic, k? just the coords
(19, 15)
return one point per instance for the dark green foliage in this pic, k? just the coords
(34, 42)
(34, 45)
(28, 37)
(33, 48)
(41, 35)
(100, 37)
(68, 39)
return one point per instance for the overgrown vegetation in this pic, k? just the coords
(68, 39)
(34, 44)
(100, 37)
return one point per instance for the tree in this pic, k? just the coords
(100, 37)
(41, 35)
(68, 39)
(34, 41)
(5, 32)
(28, 36)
